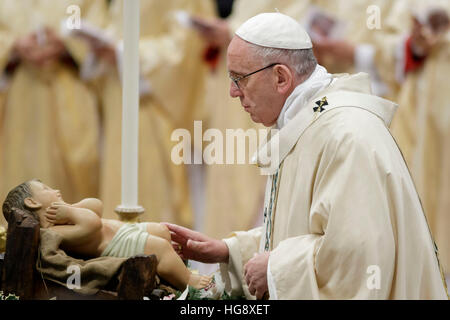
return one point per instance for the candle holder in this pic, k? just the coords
(129, 214)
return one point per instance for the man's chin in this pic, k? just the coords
(255, 119)
(258, 120)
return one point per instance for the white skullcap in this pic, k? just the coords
(274, 30)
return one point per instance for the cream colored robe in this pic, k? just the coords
(225, 207)
(50, 123)
(344, 205)
(170, 57)
(421, 125)
(396, 24)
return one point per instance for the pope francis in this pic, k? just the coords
(342, 218)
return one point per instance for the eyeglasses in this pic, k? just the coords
(237, 79)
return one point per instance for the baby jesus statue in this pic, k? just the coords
(84, 232)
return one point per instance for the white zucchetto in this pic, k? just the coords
(274, 30)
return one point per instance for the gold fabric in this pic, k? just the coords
(421, 124)
(162, 185)
(50, 124)
(355, 29)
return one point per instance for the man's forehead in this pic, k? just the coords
(236, 46)
(239, 57)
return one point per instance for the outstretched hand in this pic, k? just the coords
(196, 246)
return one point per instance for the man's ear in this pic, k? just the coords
(32, 204)
(284, 78)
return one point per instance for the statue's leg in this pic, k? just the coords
(171, 267)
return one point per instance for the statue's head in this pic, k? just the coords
(32, 196)
(16, 199)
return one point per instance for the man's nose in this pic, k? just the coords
(234, 90)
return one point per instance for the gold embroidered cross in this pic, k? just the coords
(320, 104)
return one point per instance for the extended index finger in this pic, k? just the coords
(178, 239)
(182, 231)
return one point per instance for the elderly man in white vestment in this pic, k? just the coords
(342, 218)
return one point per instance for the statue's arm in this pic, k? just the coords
(81, 224)
(95, 205)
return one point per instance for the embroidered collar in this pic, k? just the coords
(336, 95)
(298, 99)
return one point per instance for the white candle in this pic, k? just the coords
(130, 104)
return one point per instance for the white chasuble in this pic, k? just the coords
(346, 221)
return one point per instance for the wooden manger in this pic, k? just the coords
(135, 280)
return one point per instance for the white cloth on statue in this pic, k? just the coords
(318, 80)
